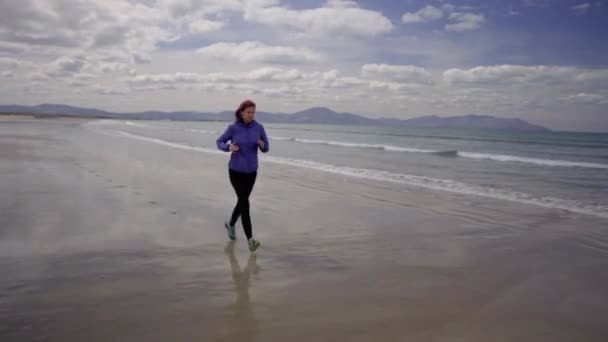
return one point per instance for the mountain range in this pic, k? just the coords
(315, 115)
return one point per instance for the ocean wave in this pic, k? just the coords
(412, 180)
(158, 141)
(201, 131)
(554, 141)
(131, 123)
(352, 144)
(454, 153)
(536, 161)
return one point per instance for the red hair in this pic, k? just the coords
(238, 115)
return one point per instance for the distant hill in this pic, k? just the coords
(320, 115)
(315, 115)
(473, 121)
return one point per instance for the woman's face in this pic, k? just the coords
(248, 114)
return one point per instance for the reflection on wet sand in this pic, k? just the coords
(243, 325)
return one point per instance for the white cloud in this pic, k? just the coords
(285, 92)
(257, 52)
(185, 17)
(12, 63)
(204, 25)
(139, 58)
(464, 22)
(586, 98)
(178, 77)
(112, 67)
(110, 90)
(185, 8)
(266, 74)
(37, 76)
(399, 73)
(507, 74)
(582, 8)
(593, 76)
(56, 28)
(448, 7)
(336, 17)
(65, 65)
(549, 94)
(213, 82)
(77, 84)
(8, 74)
(274, 74)
(333, 79)
(256, 80)
(10, 47)
(426, 14)
(67, 69)
(318, 83)
(395, 87)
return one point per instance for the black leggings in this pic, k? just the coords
(242, 184)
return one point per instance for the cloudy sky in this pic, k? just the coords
(545, 61)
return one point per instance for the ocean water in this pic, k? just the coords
(560, 170)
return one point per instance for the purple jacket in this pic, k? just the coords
(245, 136)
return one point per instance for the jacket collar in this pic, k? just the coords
(243, 124)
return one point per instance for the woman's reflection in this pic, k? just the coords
(244, 324)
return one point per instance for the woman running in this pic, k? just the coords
(246, 136)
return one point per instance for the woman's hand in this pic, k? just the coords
(233, 148)
(261, 143)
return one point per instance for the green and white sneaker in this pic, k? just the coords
(253, 245)
(230, 229)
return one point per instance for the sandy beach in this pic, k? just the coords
(106, 238)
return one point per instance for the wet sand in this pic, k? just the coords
(108, 238)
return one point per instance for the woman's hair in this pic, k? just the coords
(238, 115)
